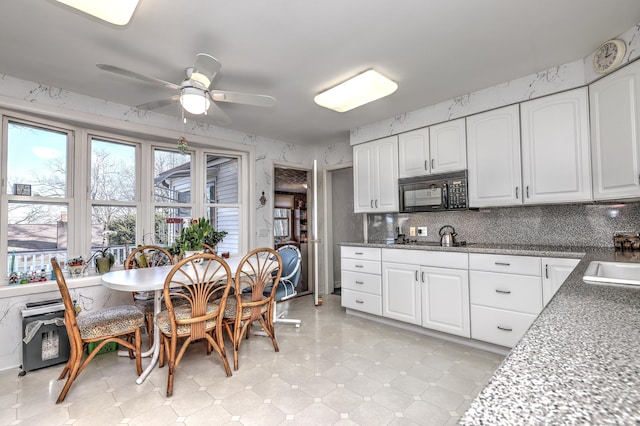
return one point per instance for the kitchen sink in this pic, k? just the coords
(612, 273)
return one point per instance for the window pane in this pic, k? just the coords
(171, 177)
(113, 172)
(113, 227)
(222, 180)
(226, 219)
(37, 157)
(36, 232)
(168, 223)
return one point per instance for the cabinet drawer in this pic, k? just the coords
(504, 328)
(521, 293)
(365, 253)
(368, 283)
(364, 266)
(436, 259)
(360, 301)
(524, 265)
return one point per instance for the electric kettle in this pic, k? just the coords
(447, 234)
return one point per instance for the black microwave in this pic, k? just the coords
(443, 192)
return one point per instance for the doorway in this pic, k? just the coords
(292, 217)
(343, 225)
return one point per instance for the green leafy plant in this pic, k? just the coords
(198, 233)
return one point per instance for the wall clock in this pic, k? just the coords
(608, 56)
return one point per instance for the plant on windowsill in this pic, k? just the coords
(103, 258)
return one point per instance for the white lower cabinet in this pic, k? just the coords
(445, 300)
(361, 280)
(554, 272)
(488, 297)
(417, 290)
(401, 292)
(505, 296)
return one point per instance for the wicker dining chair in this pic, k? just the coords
(147, 256)
(258, 269)
(119, 324)
(201, 283)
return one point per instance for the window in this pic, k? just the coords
(38, 197)
(112, 196)
(222, 190)
(172, 183)
(67, 192)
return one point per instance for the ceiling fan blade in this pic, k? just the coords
(243, 98)
(159, 104)
(217, 115)
(127, 73)
(205, 69)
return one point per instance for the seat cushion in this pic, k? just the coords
(110, 322)
(230, 308)
(145, 305)
(184, 312)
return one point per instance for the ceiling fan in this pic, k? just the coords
(196, 94)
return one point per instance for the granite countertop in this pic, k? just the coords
(579, 362)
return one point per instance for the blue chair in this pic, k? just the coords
(291, 272)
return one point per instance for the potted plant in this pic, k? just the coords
(104, 260)
(199, 232)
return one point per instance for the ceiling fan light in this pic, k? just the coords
(117, 12)
(194, 101)
(357, 91)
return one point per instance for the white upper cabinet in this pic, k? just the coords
(413, 153)
(493, 148)
(375, 172)
(615, 142)
(448, 146)
(555, 148)
(437, 149)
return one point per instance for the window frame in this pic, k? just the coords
(78, 172)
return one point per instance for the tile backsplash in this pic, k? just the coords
(558, 225)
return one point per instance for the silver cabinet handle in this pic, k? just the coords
(359, 301)
(503, 291)
(359, 266)
(359, 282)
(517, 197)
(546, 271)
(371, 203)
(416, 275)
(376, 204)
(359, 253)
(422, 276)
(504, 328)
(433, 163)
(426, 165)
(527, 191)
(503, 264)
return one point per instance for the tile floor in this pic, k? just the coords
(335, 369)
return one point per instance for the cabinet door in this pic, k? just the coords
(615, 142)
(445, 300)
(554, 273)
(363, 161)
(401, 292)
(413, 153)
(555, 148)
(386, 175)
(448, 146)
(493, 145)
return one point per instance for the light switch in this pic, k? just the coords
(422, 231)
(412, 231)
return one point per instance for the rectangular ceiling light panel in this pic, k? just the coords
(117, 12)
(359, 90)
